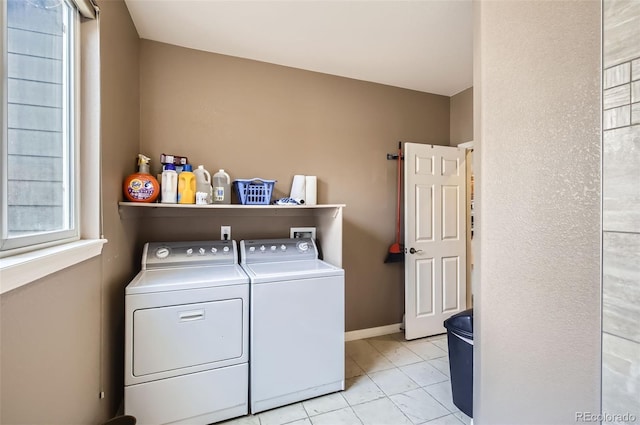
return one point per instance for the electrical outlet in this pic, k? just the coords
(225, 233)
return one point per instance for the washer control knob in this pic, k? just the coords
(303, 246)
(283, 247)
(201, 251)
(162, 252)
(262, 248)
(252, 249)
(214, 250)
(273, 248)
(225, 249)
(189, 252)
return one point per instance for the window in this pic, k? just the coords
(45, 225)
(39, 140)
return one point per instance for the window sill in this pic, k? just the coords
(22, 269)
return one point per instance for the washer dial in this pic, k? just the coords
(162, 252)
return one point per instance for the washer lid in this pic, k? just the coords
(179, 279)
(290, 270)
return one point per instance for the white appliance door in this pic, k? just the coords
(174, 337)
(192, 399)
(297, 340)
(435, 237)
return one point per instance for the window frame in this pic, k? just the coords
(71, 160)
(24, 266)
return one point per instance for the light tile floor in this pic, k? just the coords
(389, 381)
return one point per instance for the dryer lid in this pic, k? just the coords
(179, 279)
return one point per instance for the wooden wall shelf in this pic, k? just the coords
(327, 218)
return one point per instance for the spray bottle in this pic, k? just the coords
(141, 186)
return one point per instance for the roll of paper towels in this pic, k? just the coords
(311, 190)
(298, 187)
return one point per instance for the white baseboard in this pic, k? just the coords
(371, 332)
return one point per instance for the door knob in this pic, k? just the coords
(414, 251)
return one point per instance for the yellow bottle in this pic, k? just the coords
(187, 186)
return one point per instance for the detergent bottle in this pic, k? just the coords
(141, 186)
(203, 185)
(169, 185)
(221, 188)
(187, 186)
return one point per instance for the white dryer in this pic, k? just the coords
(297, 322)
(186, 335)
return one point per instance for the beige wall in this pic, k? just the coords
(461, 117)
(537, 314)
(260, 120)
(252, 118)
(53, 361)
(120, 49)
(51, 349)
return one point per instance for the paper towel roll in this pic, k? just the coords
(298, 187)
(311, 190)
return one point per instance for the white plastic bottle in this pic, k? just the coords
(169, 186)
(221, 188)
(203, 185)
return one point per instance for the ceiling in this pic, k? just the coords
(423, 45)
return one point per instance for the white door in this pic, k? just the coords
(435, 237)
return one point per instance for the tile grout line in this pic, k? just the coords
(409, 377)
(423, 360)
(383, 395)
(621, 337)
(438, 401)
(356, 414)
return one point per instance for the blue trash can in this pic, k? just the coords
(460, 341)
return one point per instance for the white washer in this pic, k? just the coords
(297, 322)
(186, 335)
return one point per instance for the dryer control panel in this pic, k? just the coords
(275, 250)
(184, 254)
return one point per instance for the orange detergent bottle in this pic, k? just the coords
(141, 186)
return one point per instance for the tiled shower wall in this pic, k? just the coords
(621, 211)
